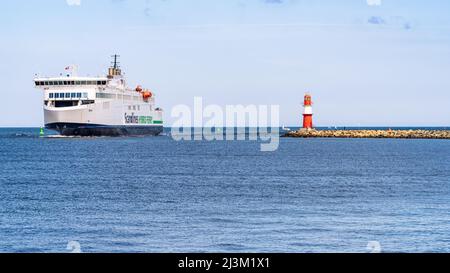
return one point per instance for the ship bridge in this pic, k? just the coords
(62, 92)
(69, 82)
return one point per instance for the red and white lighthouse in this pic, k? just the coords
(307, 113)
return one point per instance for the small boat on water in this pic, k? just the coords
(286, 129)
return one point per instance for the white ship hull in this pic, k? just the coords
(102, 119)
(89, 130)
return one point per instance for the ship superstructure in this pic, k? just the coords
(99, 106)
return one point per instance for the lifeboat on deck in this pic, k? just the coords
(147, 95)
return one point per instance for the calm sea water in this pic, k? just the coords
(153, 194)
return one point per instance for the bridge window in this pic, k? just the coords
(67, 95)
(83, 82)
(60, 82)
(101, 82)
(56, 95)
(62, 104)
(51, 95)
(86, 102)
(73, 95)
(85, 95)
(78, 95)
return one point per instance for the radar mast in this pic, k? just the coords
(114, 70)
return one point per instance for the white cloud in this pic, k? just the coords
(73, 2)
(374, 2)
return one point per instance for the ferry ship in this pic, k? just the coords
(99, 106)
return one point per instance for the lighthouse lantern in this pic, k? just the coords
(307, 113)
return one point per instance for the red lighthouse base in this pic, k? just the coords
(307, 121)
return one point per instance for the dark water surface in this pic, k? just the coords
(154, 194)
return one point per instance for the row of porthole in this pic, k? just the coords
(57, 83)
(134, 107)
(67, 95)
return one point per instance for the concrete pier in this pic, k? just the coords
(400, 134)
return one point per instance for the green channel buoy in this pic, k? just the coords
(42, 133)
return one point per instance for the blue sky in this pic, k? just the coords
(366, 62)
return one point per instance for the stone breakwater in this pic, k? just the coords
(404, 134)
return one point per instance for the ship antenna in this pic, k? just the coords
(116, 63)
